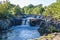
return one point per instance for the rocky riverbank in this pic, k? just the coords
(9, 22)
(53, 36)
(45, 27)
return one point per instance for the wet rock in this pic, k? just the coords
(34, 22)
(15, 21)
(43, 28)
(11, 21)
(4, 24)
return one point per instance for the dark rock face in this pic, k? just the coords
(34, 22)
(7, 23)
(43, 28)
(15, 21)
(18, 21)
(49, 27)
(55, 23)
(58, 25)
(4, 24)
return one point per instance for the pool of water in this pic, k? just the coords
(22, 32)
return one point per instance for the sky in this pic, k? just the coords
(23, 3)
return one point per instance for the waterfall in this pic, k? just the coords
(25, 22)
(37, 16)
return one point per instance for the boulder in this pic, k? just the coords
(43, 28)
(15, 21)
(34, 22)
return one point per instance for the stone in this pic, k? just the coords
(4, 24)
(34, 22)
(15, 21)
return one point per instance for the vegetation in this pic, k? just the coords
(31, 9)
(53, 10)
(53, 36)
(6, 9)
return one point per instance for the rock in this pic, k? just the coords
(4, 24)
(15, 21)
(42, 29)
(9, 22)
(34, 22)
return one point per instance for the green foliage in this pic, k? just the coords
(15, 10)
(38, 10)
(3, 6)
(30, 6)
(28, 9)
(4, 10)
(53, 10)
(31, 9)
(7, 9)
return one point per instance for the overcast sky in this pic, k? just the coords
(23, 3)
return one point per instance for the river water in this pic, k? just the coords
(22, 32)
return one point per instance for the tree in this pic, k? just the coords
(53, 10)
(15, 10)
(30, 6)
(31, 9)
(38, 10)
(4, 9)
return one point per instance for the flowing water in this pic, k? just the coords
(22, 32)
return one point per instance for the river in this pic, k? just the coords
(22, 32)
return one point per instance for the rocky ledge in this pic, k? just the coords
(7, 23)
